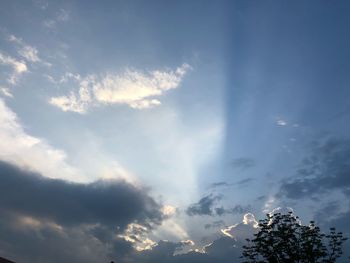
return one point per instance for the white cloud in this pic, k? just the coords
(135, 89)
(168, 210)
(281, 122)
(29, 53)
(18, 66)
(6, 92)
(26, 51)
(24, 150)
(137, 235)
(243, 230)
(69, 103)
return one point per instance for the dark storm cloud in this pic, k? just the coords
(53, 220)
(206, 206)
(242, 163)
(326, 168)
(45, 220)
(110, 203)
(45, 242)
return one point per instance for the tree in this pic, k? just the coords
(283, 239)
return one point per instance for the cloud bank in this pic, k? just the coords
(51, 220)
(49, 213)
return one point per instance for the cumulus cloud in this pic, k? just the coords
(138, 90)
(24, 150)
(224, 249)
(242, 230)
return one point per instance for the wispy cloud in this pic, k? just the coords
(281, 122)
(42, 4)
(24, 150)
(6, 92)
(61, 16)
(18, 66)
(26, 51)
(138, 90)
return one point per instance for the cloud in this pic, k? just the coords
(138, 90)
(243, 163)
(281, 122)
(6, 92)
(224, 249)
(112, 203)
(42, 215)
(242, 182)
(215, 224)
(325, 169)
(28, 52)
(24, 150)
(18, 66)
(64, 222)
(61, 16)
(206, 206)
(247, 228)
(42, 4)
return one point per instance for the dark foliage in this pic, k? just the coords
(283, 239)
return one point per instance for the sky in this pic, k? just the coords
(162, 131)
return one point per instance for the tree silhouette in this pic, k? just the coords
(283, 239)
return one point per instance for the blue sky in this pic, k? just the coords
(215, 111)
